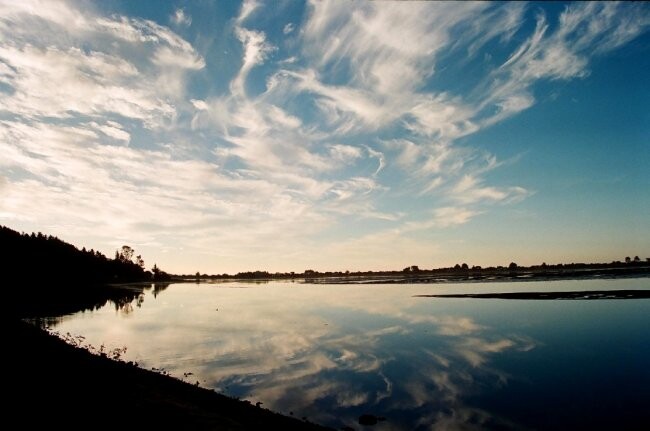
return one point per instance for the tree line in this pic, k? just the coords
(36, 259)
(416, 271)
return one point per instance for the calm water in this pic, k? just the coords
(331, 352)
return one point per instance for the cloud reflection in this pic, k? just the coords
(326, 352)
(475, 350)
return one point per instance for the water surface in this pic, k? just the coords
(333, 352)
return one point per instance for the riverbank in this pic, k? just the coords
(52, 384)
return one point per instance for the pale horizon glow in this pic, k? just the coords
(225, 137)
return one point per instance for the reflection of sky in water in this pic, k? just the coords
(332, 353)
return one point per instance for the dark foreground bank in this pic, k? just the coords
(52, 384)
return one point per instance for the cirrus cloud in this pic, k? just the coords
(333, 129)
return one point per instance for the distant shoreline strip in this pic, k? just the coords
(575, 295)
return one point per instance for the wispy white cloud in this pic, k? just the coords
(441, 118)
(470, 190)
(91, 84)
(380, 159)
(247, 8)
(98, 79)
(352, 123)
(376, 39)
(443, 217)
(199, 104)
(136, 194)
(289, 28)
(67, 144)
(181, 18)
(344, 154)
(113, 130)
(563, 52)
(278, 145)
(451, 216)
(497, 23)
(346, 109)
(256, 49)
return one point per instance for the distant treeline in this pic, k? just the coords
(37, 258)
(459, 270)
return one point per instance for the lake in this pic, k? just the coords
(331, 353)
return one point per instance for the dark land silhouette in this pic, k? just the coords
(56, 385)
(581, 295)
(630, 267)
(51, 276)
(40, 260)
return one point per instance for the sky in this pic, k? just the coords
(219, 136)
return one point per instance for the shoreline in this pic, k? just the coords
(437, 276)
(55, 383)
(583, 295)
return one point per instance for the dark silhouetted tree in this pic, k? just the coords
(158, 274)
(76, 273)
(126, 254)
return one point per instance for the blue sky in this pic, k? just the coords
(218, 136)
